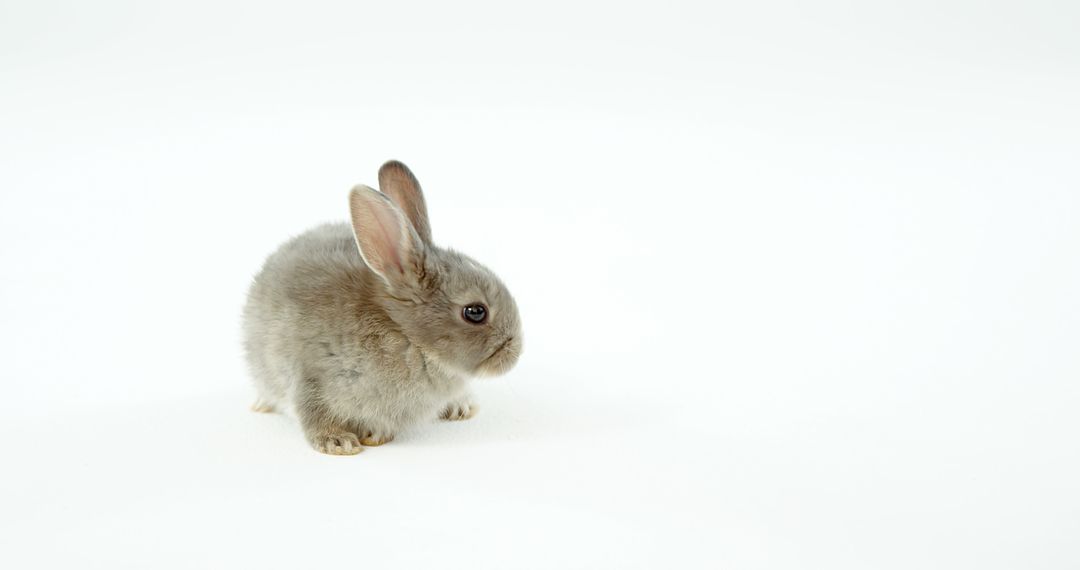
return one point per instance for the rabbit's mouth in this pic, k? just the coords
(501, 346)
(501, 359)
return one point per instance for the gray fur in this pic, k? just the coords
(360, 349)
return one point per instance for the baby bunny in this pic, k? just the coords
(363, 329)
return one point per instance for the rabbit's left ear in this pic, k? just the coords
(399, 183)
(386, 240)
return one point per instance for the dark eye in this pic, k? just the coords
(476, 313)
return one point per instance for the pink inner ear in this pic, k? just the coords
(399, 184)
(380, 232)
(387, 237)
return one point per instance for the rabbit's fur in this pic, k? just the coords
(359, 330)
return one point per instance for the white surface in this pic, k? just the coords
(799, 282)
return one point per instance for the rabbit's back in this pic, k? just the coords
(303, 292)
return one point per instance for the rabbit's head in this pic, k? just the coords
(456, 310)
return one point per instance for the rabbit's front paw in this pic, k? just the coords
(459, 410)
(337, 443)
(373, 439)
(370, 436)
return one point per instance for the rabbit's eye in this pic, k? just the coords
(474, 313)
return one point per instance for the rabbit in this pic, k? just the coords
(361, 330)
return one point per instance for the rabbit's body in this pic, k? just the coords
(310, 313)
(361, 342)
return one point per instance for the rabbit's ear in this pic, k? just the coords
(386, 239)
(399, 183)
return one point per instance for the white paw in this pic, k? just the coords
(341, 443)
(262, 406)
(462, 410)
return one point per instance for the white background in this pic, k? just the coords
(799, 281)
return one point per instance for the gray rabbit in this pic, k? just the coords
(362, 330)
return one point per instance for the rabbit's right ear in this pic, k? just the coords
(399, 183)
(386, 240)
